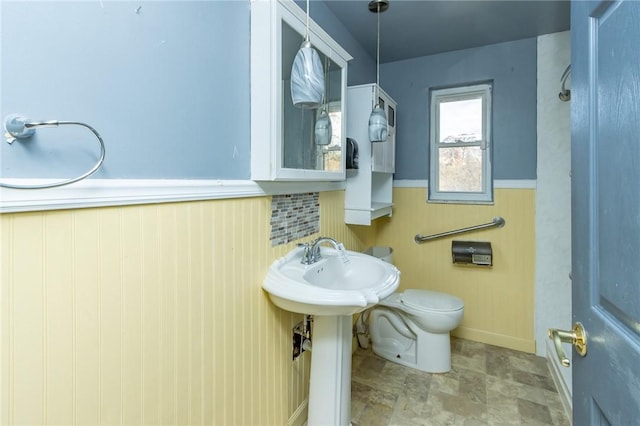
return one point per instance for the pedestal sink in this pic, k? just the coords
(332, 291)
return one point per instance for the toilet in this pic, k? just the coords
(412, 328)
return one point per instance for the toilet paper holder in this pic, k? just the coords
(472, 253)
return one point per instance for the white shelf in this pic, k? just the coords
(368, 190)
(376, 207)
(365, 217)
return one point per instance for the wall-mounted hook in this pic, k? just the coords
(565, 94)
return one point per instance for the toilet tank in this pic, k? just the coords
(382, 253)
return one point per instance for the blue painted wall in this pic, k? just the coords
(167, 86)
(168, 89)
(511, 66)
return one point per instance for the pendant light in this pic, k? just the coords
(378, 128)
(307, 78)
(323, 130)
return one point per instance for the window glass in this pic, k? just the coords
(460, 165)
(460, 169)
(461, 121)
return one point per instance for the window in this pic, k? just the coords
(460, 144)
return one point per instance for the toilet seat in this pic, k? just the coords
(430, 301)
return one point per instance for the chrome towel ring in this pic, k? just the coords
(19, 127)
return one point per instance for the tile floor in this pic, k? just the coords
(487, 385)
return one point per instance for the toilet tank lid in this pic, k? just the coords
(431, 300)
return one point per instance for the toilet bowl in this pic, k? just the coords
(412, 328)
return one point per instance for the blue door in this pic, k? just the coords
(605, 114)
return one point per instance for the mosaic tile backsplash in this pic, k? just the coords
(294, 216)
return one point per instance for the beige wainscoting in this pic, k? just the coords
(498, 300)
(155, 313)
(150, 314)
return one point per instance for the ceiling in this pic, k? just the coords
(412, 28)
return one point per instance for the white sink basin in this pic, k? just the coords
(330, 286)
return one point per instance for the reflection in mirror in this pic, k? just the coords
(298, 124)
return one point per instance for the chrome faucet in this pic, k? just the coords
(311, 252)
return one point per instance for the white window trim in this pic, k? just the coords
(461, 93)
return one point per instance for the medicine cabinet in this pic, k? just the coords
(282, 135)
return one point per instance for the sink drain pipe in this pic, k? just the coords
(361, 330)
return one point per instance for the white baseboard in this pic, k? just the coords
(563, 389)
(299, 417)
(504, 341)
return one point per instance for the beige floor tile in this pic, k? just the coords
(445, 384)
(505, 413)
(487, 385)
(534, 380)
(477, 364)
(375, 416)
(533, 411)
(533, 364)
(408, 410)
(533, 394)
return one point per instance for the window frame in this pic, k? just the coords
(458, 93)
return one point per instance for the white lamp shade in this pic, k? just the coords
(307, 78)
(378, 128)
(323, 130)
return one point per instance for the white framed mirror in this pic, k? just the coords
(282, 135)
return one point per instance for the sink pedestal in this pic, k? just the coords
(330, 381)
(331, 290)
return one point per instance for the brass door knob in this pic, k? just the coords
(577, 337)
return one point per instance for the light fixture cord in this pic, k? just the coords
(377, 59)
(325, 95)
(307, 37)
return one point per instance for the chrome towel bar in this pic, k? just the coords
(498, 222)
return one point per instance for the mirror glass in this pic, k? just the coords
(299, 148)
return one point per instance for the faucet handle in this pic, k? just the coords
(307, 256)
